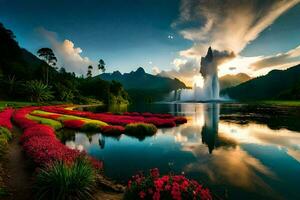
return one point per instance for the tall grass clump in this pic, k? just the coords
(65, 181)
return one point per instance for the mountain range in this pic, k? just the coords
(139, 79)
(229, 80)
(277, 84)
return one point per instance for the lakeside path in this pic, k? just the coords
(19, 177)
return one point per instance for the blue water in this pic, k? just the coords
(240, 152)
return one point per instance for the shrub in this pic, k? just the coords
(140, 129)
(91, 127)
(53, 123)
(166, 187)
(62, 181)
(112, 130)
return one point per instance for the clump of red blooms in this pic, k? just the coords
(41, 145)
(159, 120)
(5, 116)
(74, 123)
(112, 130)
(176, 187)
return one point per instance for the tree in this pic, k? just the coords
(101, 65)
(48, 56)
(89, 72)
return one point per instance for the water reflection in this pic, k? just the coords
(249, 161)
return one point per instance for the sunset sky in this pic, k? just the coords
(162, 36)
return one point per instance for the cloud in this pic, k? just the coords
(155, 70)
(68, 55)
(185, 70)
(278, 60)
(226, 25)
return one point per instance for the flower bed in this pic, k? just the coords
(160, 120)
(42, 120)
(74, 122)
(175, 187)
(5, 116)
(40, 143)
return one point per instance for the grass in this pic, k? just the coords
(280, 103)
(15, 104)
(63, 181)
(53, 123)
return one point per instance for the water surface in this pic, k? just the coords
(239, 151)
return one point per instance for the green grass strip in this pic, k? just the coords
(53, 123)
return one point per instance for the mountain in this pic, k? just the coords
(277, 84)
(139, 79)
(228, 80)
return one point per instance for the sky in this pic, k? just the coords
(165, 37)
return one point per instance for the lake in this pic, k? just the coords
(239, 151)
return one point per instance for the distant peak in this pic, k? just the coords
(140, 70)
(117, 73)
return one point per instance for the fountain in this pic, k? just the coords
(209, 90)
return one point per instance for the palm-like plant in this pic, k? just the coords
(38, 91)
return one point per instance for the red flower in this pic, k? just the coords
(142, 194)
(74, 123)
(154, 173)
(5, 116)
(175, 187)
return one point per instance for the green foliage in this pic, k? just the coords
(91, 127)
(140, 129)
(3, 192)
(47, 55)
(5, 136)
(22, 71)
(38, 91)
(101, 65)
(5, 133)
(61, 181)
(89, 72)
(53, 123)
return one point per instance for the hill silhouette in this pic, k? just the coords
(277, 84)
